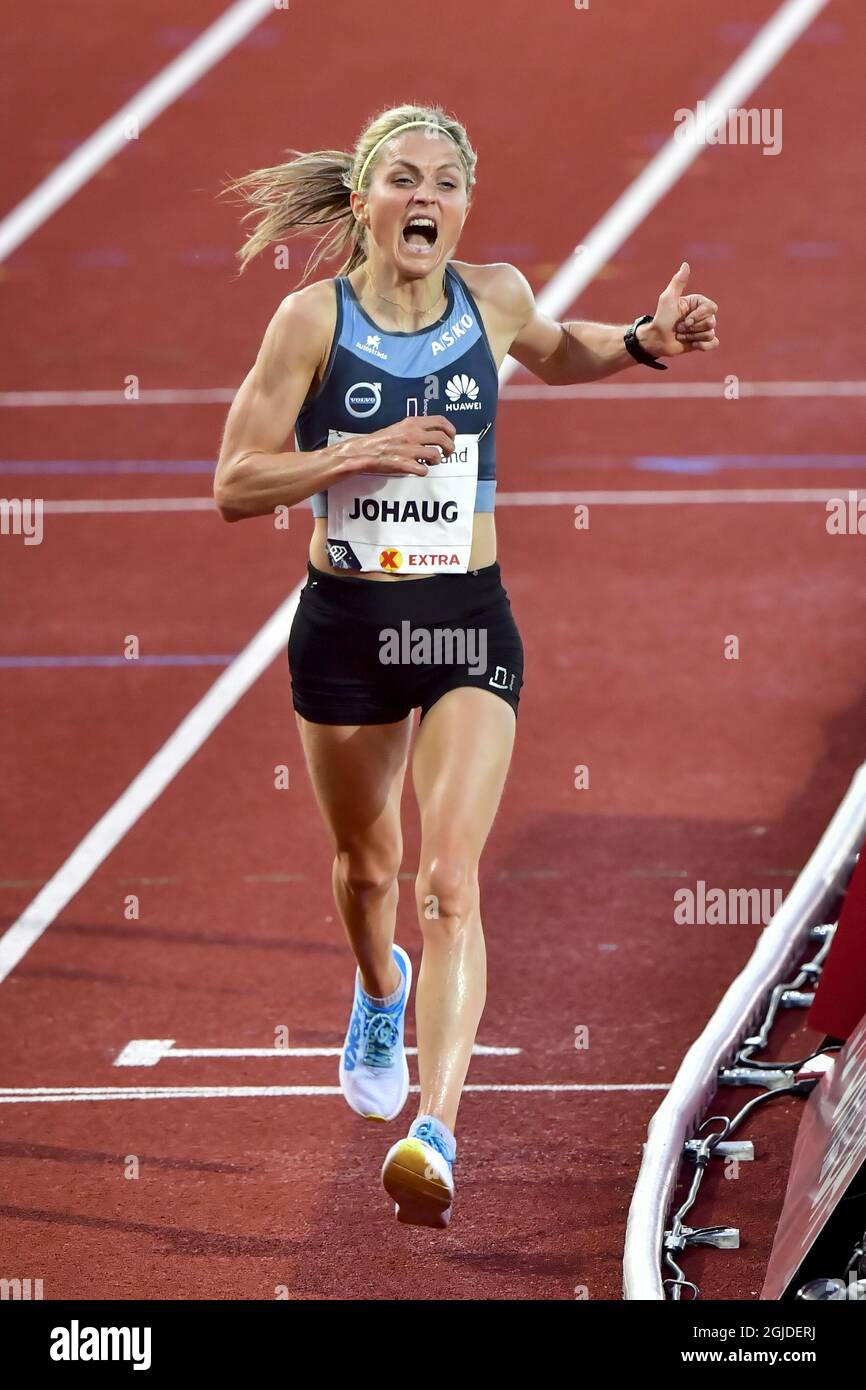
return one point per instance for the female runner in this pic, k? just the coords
(388, 376)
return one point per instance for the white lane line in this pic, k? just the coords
(627, 497)
(146, 1052)
(141, 793)
(89, 506)
(684, 390)
(58, 1095)
(114, 134)
(605, 238)
(529, 391)
(212, 395)
(672, 498)
(767, 48)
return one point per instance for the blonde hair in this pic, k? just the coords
(313, 190)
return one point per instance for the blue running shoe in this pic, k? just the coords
(418, 1175)
(374, 1073)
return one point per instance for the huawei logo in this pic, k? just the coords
(461, 386)
(462, 392)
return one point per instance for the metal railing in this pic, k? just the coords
(814, 898)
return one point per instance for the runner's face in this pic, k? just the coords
(417, 175)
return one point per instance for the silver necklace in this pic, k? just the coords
(395, 304)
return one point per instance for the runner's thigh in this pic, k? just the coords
(357, 773)
(459, 765)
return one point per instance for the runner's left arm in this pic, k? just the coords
(565, 354)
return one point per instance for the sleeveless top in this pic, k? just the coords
(374, 378)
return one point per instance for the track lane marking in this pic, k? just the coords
(11, 1095)
(91, 505)
(671, 497)
(146, 1052)
(101, 663)
(600, 497)
(768, 47)
(153, 98)
(141, 793)
(520, 391)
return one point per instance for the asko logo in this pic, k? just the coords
(462, 393)
(453, 332)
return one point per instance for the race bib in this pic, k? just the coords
(407, 524)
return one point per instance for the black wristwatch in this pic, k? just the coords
(639, 353)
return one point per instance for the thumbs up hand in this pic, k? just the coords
(682, 322)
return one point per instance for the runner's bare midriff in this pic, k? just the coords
(483, 550)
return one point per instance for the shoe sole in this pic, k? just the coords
(404, 1095)
(422, 1198)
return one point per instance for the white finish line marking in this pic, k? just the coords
(638, 200)
(58, 1095)
(146, 1052)
(113, 135)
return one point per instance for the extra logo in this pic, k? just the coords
(390, 560)
(462, 393)
(372, 346)
(500, 679)
(364, 398)
(453, 332)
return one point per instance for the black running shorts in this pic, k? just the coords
(367, 651)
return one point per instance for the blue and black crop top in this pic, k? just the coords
(375, 377)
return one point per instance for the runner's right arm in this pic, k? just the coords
(252, 478)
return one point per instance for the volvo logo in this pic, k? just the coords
(364, 398)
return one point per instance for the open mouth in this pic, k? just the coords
(420, 233)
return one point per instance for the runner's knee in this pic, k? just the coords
(367, 872)
(446, 891)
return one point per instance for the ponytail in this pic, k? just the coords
(311, 190)
(314, 190)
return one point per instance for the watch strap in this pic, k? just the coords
(639, 353)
